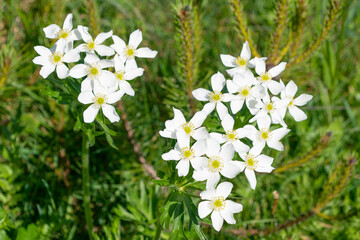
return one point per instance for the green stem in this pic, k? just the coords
(86, 191)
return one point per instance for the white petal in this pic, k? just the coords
(224, 189)
(303, 99)
(183, 168)
(60, 45)
(177, 121)
(212, 147)
(217, 81)
(255, 151)
(102, 37)
(199, 147)
(182, 138)
(276, 145)
(110, 113)
(106, 63)
(68, 22)
(240, 147)
(135, 38)
(171, 155)
(264, 122)
(217, 220)
(200, 175)
(264, 169)
(227, 60)
(291, 89)
(118, 45)
(84, 31)
(199, 162)
(275, 87)
(221, 110)
(43, 51)
(86, 85)
(167, 134)
(204, 209)
(119, 63)
(230, 170)
(126, 88)
(208, 194)
(277, 69)
(78, 71)
(107, 79)
(264, 160)
(227, 215)
(200, 134)
(227, 122)
(249, 131)
(219, 137)
(231, 86)
(39, 60)
(227, 152)
(208, 108)
(62, 71)
(51, 31)
(133, 73)
(146, 53)
(241, 165)
(279, 133)
(233, 206)
(258, 146)
(212, 180)
(236, 105)
(131, 63)
(114, 97)
(103, 50)
(198, 119)
(260, 66)
(258, 91)
(297, 113)
(86, 97)
(91, 58)
(245, 51)
(201, 94)
(250, 175)
(90, 113)
(71, 56)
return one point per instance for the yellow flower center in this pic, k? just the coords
(188, 128)
(264, 134)
(187, 153)
(215, 164)
(291, 104)
(130, 52)
(93, 71)
(270, 107)
(240, 62)
(99, 100)
(120, 75)
(251, 162)
(217, 203)
(63, 33)
(265, 77)
(56, 58)
(231, 135)
(244, 92)
(215, 96)
(90, 45)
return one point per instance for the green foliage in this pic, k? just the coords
(41, 126)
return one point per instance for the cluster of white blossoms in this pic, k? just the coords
(103, 81)
(211, 155)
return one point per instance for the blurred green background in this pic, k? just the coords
(40, 153)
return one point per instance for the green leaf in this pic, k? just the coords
(110, 141)
(161, 182)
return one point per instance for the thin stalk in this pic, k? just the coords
(85, 181)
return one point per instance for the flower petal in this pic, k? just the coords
(90, 113)
(277, 145)
(86, 97)
(231, 86)
(199, 162)
(71, 56)
(204, 209)
(200, 175)
(114, 97)
(212, 147)
(233, 206)
(250, 175)
(87, 85)
(183, 167)
(221, 110)
(212, 180)
(107, 79)
(228, 60)
(240, 147)
(171, 155)
(264, 122)
(135, 38)
(126, 88)
(279, 133)
(227, 123)
(177, 121)
(199, 147)
(103, 50)
(291, 89)
(201, 94)
(217, 81)
(260, 66)
(133, 73)
(43, 51)
(146, 53)
(230, 170)
(219, 137)
(275, 87)
(277, 69)
(303, 99)
(245, 51)
(297, 113)
(62, 71)
(102, 37)
(198, 119)
(217, 220)
(51, 31)
(118, 45)
(84, 31)
(236, 105)
(227, 215)
(208, 108)
(208, 194)
(182, 138)
(224, 189)
(200, 134)
(68, 22)
(78, 71)
(110, 113)
(39, 60)
(227, 152)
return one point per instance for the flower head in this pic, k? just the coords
(95, 45)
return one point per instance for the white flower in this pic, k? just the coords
(254, 162)
(66, 33)
(54, 58)
(231, 136)
(178, 128)
(93, 69)
(272, 108)
(288, 95)
(219, 162)
(216, 97)
(124, 73)
(239, 64)
(246, 89)
(91, 45)
(265, 77)
(100, 98)
(265, 135)
(216, 203)
(130, 52)
(185, 154)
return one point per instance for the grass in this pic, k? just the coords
(40, 154)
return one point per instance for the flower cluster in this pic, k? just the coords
(211, 155)
(103, 81)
